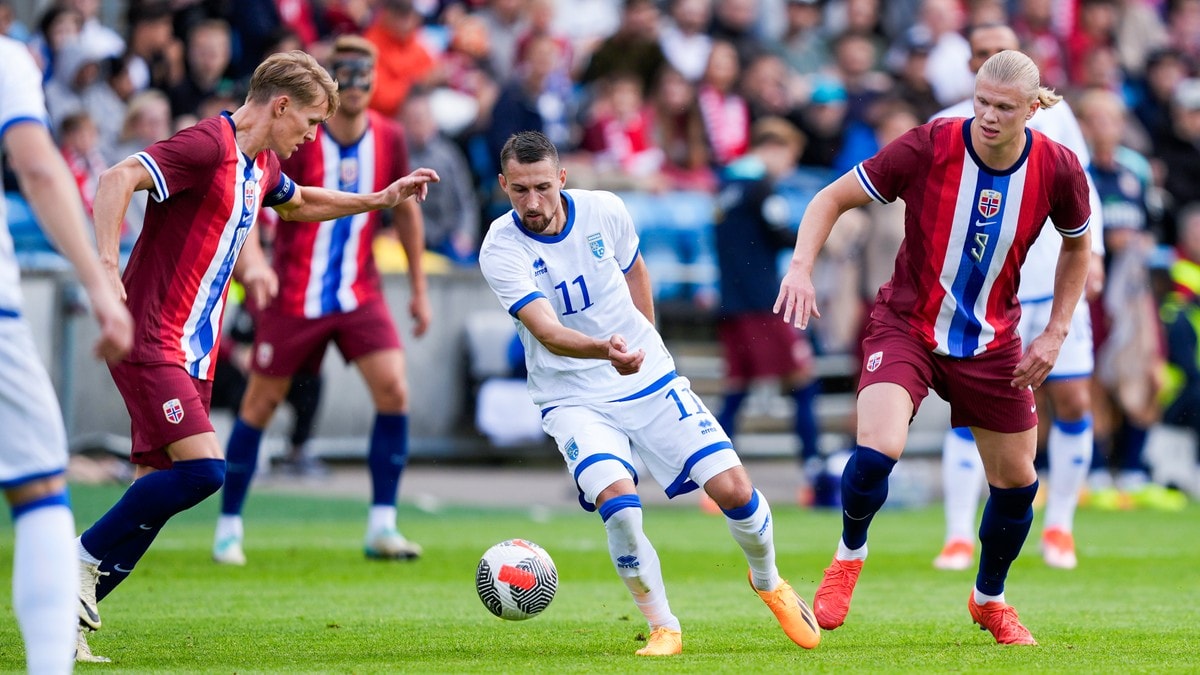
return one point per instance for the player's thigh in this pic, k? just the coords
(677, 438)
(1007, 457)
(165, 405)
(33, 442)
(596, 451)
(980, 391)
(884, 411)
(384, 373)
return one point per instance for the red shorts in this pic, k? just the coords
(762, 345)
(285, 344)
(165, 405)
(977, 388)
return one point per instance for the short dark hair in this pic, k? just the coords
(528, 147)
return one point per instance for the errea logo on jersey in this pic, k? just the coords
(706, 427)
(539, 268)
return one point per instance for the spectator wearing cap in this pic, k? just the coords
(824, 123)
(1180, 152)
(404, 60)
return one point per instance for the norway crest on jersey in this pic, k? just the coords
(989, 203)
(596, 241)
(249, 189)
(173, 410)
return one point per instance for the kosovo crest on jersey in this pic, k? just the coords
(572, 449)
(989, 203)
(596, 241)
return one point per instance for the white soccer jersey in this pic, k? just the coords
(20, 101)
(581, 271)
(1060, 125)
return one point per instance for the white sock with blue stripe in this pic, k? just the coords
(1070, 451)
(754, 530)
(46, 583)
(636, 560)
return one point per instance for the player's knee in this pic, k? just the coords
(203, 476)
(258, 408)
(730, 489)
(391, 397)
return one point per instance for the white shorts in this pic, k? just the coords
(33, 442)
(674, 435)
(1075, 359)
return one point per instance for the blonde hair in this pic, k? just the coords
(294, 74)
(138, 104)
(356, 44)
(1013, 67)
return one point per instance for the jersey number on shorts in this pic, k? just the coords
(566, 295)
(682, 402)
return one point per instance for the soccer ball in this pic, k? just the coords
(516, 579)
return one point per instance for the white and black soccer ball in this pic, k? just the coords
(516, 579)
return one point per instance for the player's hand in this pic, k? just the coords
(421, 313)
(114, 281)
(415, 184)
(1035, 365)
(626, 362)
(262, 285)
(116, 326)
(797, 298)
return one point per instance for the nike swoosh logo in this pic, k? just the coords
(144, 526)
(122, 570)
(95, 618)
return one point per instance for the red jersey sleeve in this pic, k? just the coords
(184, 161)
(1070, 210)
(885, 175)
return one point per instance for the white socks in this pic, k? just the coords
(229, 527)
(1070, 457)
(637, 564)
(962, 482)
(756, 535)
(46, 587)
(381, 518)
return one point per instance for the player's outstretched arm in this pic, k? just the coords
(312, 204)
(47, 184)
(410, 229)
(797, 298)
(114, 190)
(539, 317)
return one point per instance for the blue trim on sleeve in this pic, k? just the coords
(23, 118)
(964, 433)
(58, 499)
(683, 485)
(636, 254)
(744, 511)
(653, 387)
(1074, 428)
(160, 192)
(1078, 231)
(520, 304)
(608, 508)
(866, 184)
(1067, 376)
(1035, 301)
(6, 313)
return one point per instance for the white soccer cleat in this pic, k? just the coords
(390, 545)
(228, 551)
(83, 653)
(89, 611)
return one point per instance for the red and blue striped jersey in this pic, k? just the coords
(967, 229)
(328, 267)
(206, 198)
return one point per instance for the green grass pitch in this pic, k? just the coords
(309, 602)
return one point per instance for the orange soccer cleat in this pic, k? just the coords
(1001, 620)
(957, 554)
(662, 642)
(832, 602)
(792, 613)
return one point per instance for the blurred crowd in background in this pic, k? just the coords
(657, 100)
